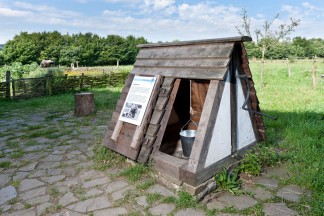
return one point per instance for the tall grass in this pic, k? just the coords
(299, 130)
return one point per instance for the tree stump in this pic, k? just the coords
(84, 104)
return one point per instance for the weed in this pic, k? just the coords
(228, 181)
(15, 183)
(145, 185)
(54, 192)
(31, 143)
(78, 190)
(153, 197)
(13, 201)
(5, 164)
(169, 199)
(135, 173)
(12, 144)
(17, 153)
(105, 158)
(27, 205)
(185, 200)
(257, 158)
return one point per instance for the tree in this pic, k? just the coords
(267, 36)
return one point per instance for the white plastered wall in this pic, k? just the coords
(245, 132)
(220, 144)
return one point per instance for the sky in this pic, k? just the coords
(157, 20)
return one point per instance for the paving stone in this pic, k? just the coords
(162, 209)
(54, 171)
(291, 193)
(38, 173)
(7, 193)
(70, 171)
(72, 161)
(90, 205)
(5, 208)
(75, 152)
(189, 211)
(116, 185)
(41, 209)
(58, 152)
(157, 188)
(277, 209)
(53, 157)
(260, 193)
(67, 199)
(29, 167)
(28, 184)
(96, 182)
(18, 206)
(38, 200)
(68, 182)
(93, 192)
(267, 182)
(25, 212)
(239, 202)
(35, 148)
(33, 156)
(53, 179)
(4, 179)
(117, 195)
(281, 172)
(20, 175)
(63, 148)
(33, 193)
(141, 201)
(111, 212)
(49, 165)
(215, 204)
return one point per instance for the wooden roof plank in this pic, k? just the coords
(190, 62)
(190, 73)
(190, 51)
(206, 41)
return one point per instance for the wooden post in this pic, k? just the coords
(84, 104)
(8, 85)
(49, 85)
(117, 63)
(313, 77)
(13, 89)
(81, 82)
(288, 67)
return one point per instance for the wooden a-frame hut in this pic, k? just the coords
(206, 81)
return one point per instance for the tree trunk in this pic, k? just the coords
(84, 104)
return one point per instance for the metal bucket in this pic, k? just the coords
(187, 138)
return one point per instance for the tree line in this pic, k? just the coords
(298, 47)
(92, 50)
(85, 49)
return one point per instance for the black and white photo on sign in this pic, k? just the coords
(132, 110)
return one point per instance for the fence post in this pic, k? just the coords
(49, 85)
(288, 66)
(13, 89)
(7, 84)
(81, 82)
(65, 82)
(313, 77)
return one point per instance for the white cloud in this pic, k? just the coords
(158, 4)
(8, 12)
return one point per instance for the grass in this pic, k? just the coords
(135, 173)
(298, 132)
(5, 164)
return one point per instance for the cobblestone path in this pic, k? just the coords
(47, 169)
